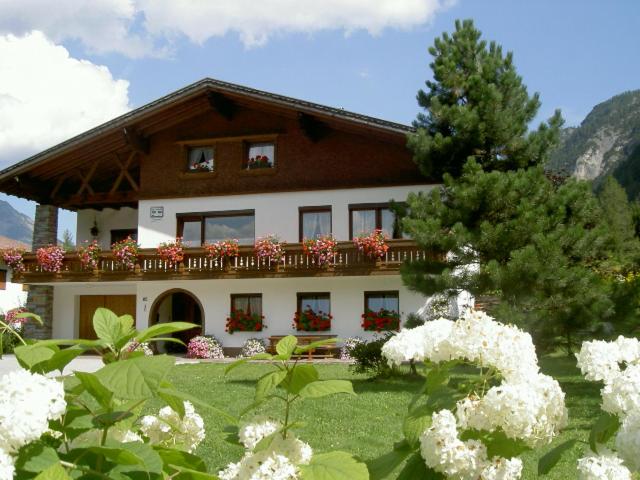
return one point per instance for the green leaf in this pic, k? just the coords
(110, 419)
(416, 468)
(197, 402)
(135, 378)
(299, 376)
(286, 345)
(497, 443)
(603, 429)
(415, 423)
(384, 465)
(30, 315)
(59, 360)
(552, 457)
(312, 345)
(36, 457)
(54, 472)
(268, 383)
(178, 458)
(96, 389)
(176, 403)
(30, 355)
(148, 458)
(322, 388)
(107, 325)
(186, 473)
(436, 378)
(116, 454)
(164, 329)
(334, 466)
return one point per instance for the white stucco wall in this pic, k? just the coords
(275, 213)
(12, 296)
(107, 220)
(279, 302)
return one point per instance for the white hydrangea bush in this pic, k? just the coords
(617, 365)
(512, 397)
(281, 460)
(253, 346)
(169, 429)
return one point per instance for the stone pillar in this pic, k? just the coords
(40, 297)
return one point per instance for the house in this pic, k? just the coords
(12, 294)
(214, 161)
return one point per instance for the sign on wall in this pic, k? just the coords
(157, 212)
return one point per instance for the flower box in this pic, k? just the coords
(373, 245)
(126, 252)
(323, 248)
(171, 252)
(239, 321)
(50, 259)
(13, 257)
(259, 161)
(269, 247)
(89, 255)
(225, 249)
(381, 321)
(310, 321)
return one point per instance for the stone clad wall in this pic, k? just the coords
(40, 298)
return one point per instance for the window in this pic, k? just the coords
(376, 301)
(260, 155)
(315, 222)
(317, 302)
(249, 303)
(200, 159)
(364, 219)
(121, 234)
(199, 228)
(3, 279)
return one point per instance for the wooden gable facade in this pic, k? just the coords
(143, 154)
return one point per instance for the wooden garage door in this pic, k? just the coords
(119, 304)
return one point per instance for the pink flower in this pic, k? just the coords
(50, 258)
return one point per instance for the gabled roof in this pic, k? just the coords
(198, 88)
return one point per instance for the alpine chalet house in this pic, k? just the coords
(214, 162)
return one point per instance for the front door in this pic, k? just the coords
(118, 304)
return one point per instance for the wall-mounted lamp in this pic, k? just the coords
(94, 230)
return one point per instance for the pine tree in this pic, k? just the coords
(67, 241)
(539, 247)
(477, 107)
(620, 218)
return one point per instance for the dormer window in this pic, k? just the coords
(260, 155)
(200, 159)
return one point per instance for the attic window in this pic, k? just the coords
(260, 155)
(200, 159)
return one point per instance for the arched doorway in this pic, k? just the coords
(177, 305)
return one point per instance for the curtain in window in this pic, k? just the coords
(317, 304)
(248, 304)
(388, 302)
(388, 220)
(255, 304)
(316, 224)
(363, 222)
(241, 303)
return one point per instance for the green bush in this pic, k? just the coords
(369, 360)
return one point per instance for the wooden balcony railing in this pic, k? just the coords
(197, 265)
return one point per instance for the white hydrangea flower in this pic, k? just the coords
(280, 461)
(7, 468)
(170, 430)
(606, 466)
(420, 343)
(502, 469)
(628, 440)
(599, 360)
(533, 411)
(27, 402)
(621, 393)
(251, 433)
(444, 452)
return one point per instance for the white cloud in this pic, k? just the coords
(138, 27)
(47, 96)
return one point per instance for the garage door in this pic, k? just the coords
(119, 304)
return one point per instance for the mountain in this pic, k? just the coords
(15, 225)
(606, 142)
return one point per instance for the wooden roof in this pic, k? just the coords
(98, 168)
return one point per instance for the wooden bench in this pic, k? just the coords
(326, 351)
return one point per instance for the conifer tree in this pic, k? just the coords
(477, 107)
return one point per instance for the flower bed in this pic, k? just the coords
(253, 346)
(269, 247)
(381, 321)
(205, 347)
(310, 321)
(373, 245)
(239, 321)
(171, 252)
(323, 248)
(89, 254)
(223, 249)
(50, 259)
(13, 257)
(126, 252)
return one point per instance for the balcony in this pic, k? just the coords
(197, 265)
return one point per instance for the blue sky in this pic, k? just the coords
(575, 53)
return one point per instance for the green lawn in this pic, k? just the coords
(368, 424)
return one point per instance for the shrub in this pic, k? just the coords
(347, 346)
(369, 360)
(206, 347)
(253, 346)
